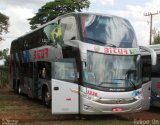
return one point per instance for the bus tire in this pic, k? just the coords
(46, 97)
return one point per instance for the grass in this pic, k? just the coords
(83, 122)
(3, 77)
(32, 112)
(3, 83)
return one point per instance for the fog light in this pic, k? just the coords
(88, 108)
(95, 98)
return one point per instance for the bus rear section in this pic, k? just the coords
(155, 77)
(155, 100)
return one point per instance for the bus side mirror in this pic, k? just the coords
(152, 52)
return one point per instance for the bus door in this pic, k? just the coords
(146, 84)
(65, 88)
(44, 78)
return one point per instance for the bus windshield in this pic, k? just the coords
(111, 70)
(108, 30)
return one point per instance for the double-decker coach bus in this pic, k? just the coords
(82, 63)
(155, 75)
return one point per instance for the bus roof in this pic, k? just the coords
(59, 17)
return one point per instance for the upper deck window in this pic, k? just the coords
(69, 28)
(106, 30)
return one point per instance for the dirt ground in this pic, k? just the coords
(22, 109)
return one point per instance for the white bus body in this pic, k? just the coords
(82, 63)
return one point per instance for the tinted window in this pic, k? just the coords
(53, 33)
(146, 68)
(69, 28)
(44, 70)
(107, 30)
(156, 68)
(27, 69)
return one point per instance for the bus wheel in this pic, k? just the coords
(46, 98)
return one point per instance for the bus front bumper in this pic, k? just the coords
(92, 107)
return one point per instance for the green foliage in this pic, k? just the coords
(56, 8)
(3, 76)
(4, 55)
(4, 24)
(156, 39)
(6, 62)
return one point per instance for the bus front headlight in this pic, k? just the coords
(89, 97)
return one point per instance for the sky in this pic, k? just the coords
(19, 11)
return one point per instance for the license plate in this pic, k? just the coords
(117, 109)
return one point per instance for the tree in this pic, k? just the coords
(4, 24)
(157, 38)
(56, 8)
(4, 55)
(6, 61)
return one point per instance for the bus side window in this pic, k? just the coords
(69, 28)
(25, 69)
(146, 72)
(156, 69)
(44, 70)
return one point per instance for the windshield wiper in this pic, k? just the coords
(130, 81)
(98, 41)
